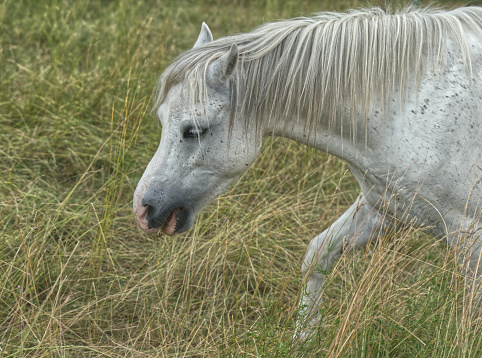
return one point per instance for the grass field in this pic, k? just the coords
(79, 279)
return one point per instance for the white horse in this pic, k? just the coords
(397, 95)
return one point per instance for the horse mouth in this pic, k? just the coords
(169, 219)
(170, 224)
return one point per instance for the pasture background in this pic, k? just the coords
(79, 279)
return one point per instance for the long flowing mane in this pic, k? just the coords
(309, 66)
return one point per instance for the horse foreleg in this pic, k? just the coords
(359, 225)
(474, 278)
(467, 245)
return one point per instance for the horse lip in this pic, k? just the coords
(173, 220)
(170, 224)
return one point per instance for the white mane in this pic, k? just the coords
(309, 66)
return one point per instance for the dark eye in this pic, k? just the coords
(193, 132)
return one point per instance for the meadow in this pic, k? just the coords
(78, 278)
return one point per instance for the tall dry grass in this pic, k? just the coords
(79, 279)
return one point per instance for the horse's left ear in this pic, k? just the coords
(223, 68)
(205, 36)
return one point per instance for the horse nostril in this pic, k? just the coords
(149, 208)
(145, 202)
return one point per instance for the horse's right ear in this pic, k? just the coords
(204, 37)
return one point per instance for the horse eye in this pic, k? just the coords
(192, 132)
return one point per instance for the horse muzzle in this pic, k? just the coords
(171, 219)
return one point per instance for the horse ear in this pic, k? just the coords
(204, 37)
(223, 68)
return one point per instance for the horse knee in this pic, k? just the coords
(307, 265)
(319, 257)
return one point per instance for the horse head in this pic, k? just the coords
(201, 152)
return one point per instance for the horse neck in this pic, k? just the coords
(337, 139)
